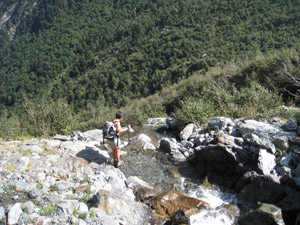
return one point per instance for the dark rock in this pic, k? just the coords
(291, 125)
(179, 218)
(261, 189)
(264, 214)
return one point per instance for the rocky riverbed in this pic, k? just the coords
(69, 180)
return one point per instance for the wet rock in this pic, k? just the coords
(168, 145)
(262, 189)
(142, 141)
(143, 194)
(219, 123)
(14, 214)
(187, 131)
(179, 218)
(168, 203)
(264, 214)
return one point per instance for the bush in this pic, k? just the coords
(10, 127)
(48, 118)
(254, 101)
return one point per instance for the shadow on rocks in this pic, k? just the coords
(92, 155)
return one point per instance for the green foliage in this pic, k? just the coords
(53, 188)
(114, 51)
(10, 127)
(82, 216)
(48, 118)
(47, 210)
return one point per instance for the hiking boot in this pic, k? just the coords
(117, 164)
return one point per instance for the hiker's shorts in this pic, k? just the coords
(114, 143)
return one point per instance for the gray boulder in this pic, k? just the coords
(291, 125)
(123, 211)
(94, 135)
(142, 141)
(256, 141)
(262, 129)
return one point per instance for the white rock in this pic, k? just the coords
(23, 162)
(187, 131)
(266, 162)
(82, 208)
(262, 129)
(14, 214)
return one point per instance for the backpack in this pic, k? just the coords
(109, 131)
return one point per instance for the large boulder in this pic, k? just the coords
(167, 204)
(262, 129)
(122, 210)
(94, 135)
(221, 156)
(142, 141)
(262, 189)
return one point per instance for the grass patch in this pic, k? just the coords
(10, 167)
(48, 210)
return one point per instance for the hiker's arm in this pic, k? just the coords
(121, 129)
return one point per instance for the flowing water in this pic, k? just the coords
(159, 170)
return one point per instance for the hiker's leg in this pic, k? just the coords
(117, 155)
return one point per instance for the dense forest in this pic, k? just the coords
(104, 52)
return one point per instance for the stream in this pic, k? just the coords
(159, 170)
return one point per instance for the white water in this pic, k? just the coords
(218, 214)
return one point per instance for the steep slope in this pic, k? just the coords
(109, 52)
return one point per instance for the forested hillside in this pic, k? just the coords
(104, 52)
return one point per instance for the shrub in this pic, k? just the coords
(48, 118)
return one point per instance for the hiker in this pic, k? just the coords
(115, 141)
